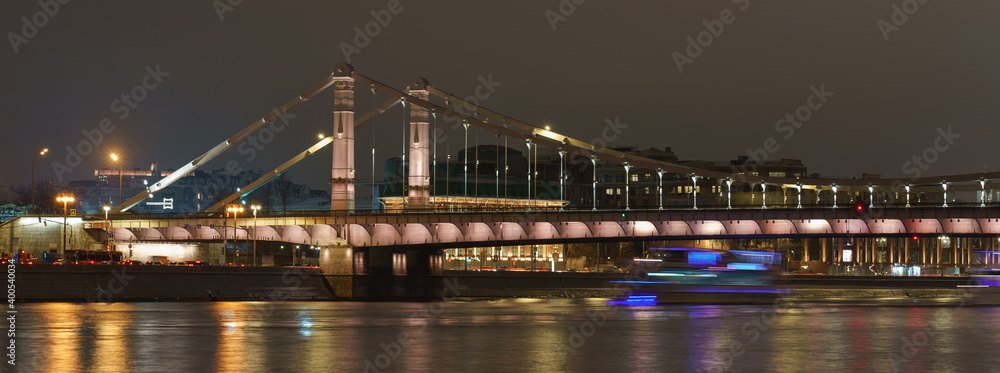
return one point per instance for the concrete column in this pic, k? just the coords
(420, 140)
(342, 178)
(823, 245)
(937, 259)
(923, 251)
(838, 253)
(906, 252)
(805, 250)
(337, 265)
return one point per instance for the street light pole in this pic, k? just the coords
(65, 200)
(115, 158)
(235, 210)
(46, 150)
(255, 208)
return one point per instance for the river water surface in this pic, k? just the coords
(506, 335)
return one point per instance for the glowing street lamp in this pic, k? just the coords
(65, 200)
(235, 209)
(46, 150)
(114, 157)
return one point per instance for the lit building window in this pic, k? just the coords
(634, 177)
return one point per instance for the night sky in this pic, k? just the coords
(604, 59)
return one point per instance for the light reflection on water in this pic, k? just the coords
(509, 335)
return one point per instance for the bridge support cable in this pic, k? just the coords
(593, 162)
(506, 167)
(562, 176)
(374, 187)
(476, 171)
(434, 153)
(528, 146)
(496, 157)
(465, 162)
(225, 145)
(403, 166)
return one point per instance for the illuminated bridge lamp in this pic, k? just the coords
(798, 188)
(907, 195)
(627, 168)
(694, 191)
(834, 186)
(763, 195)
(982, 200)
(729, 192)
(871, 196)
(659, 189)
(944, 185)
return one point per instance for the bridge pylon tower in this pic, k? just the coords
(342, 176)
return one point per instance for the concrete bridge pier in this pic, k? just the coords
(382, 273)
